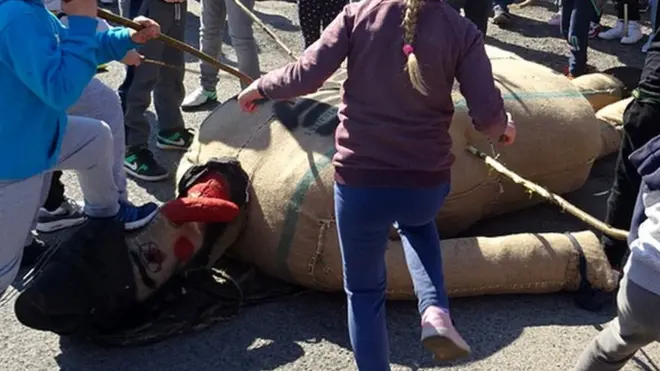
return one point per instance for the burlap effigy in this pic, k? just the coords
(611, 119)
(286, 150)
(600, 89)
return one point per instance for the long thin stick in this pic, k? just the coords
(265, 28)
(618, 234)
(174, 43)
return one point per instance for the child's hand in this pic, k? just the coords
(150, 31)
(132, 58)
(509, 135)
(84, 8)
(247, 97)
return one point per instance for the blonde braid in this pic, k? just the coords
(409, 28)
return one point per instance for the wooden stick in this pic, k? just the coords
(265, 28)
(174, 43)
(625, 19)
(566, 206)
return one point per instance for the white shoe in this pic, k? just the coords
(634, 34)
(616, 32)
(555, 20)
(68, 214)
(198, 97)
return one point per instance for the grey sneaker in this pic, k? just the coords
(198, 98)
(67, 215)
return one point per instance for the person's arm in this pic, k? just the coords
(484, 99)
(315, 65)
(103, 25)
(57, 72)
(113, 44)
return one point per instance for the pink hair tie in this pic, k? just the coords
(407, 49)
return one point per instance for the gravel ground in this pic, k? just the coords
(540, 333)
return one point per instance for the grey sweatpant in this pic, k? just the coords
(87, 149)
(165, 82)
(212, 24)
(100, 102)
(637, 324)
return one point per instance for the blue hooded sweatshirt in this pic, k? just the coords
(44, 68)
(643, 267)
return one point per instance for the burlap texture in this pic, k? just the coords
(287, 151)
(600, 89)
(611, 119)
(513, 264)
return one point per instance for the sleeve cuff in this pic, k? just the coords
(261, 90)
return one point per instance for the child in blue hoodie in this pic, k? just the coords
(44, 68)
(637, 323)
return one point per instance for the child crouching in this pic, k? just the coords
(34, 96)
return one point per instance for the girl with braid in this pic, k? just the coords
(393, 150)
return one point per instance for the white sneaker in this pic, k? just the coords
(199, 97)
(613, 33)
(634, 34)
(555, 20)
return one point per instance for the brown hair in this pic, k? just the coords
(409, 28)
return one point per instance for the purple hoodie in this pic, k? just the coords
(389, 134)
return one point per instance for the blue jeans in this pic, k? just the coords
(576, 16)
(364, 216)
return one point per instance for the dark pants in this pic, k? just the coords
(503, 4)
(55, 193)
(134, 11)
(315, 15)
(165, 83)
(576, 16)
(364, 218)
(633, 9)
(475, 10)
(641, 124)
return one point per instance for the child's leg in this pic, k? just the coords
(576, 18)
(421, 244)
(169, 91)
(640, 126)
(87, 149)
(211, 29)
(635, 326)
(309, 15)
(55, 196)
(363, 223)
(242, 38)
(100, 102)
(19, 202)
(331, 10)
(477, 11)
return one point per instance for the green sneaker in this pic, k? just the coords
(179, 139)
(198, 98)
(140, 163)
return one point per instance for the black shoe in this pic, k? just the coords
(178, 140)
(501, 17)
(33, 252)
(140, 163)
